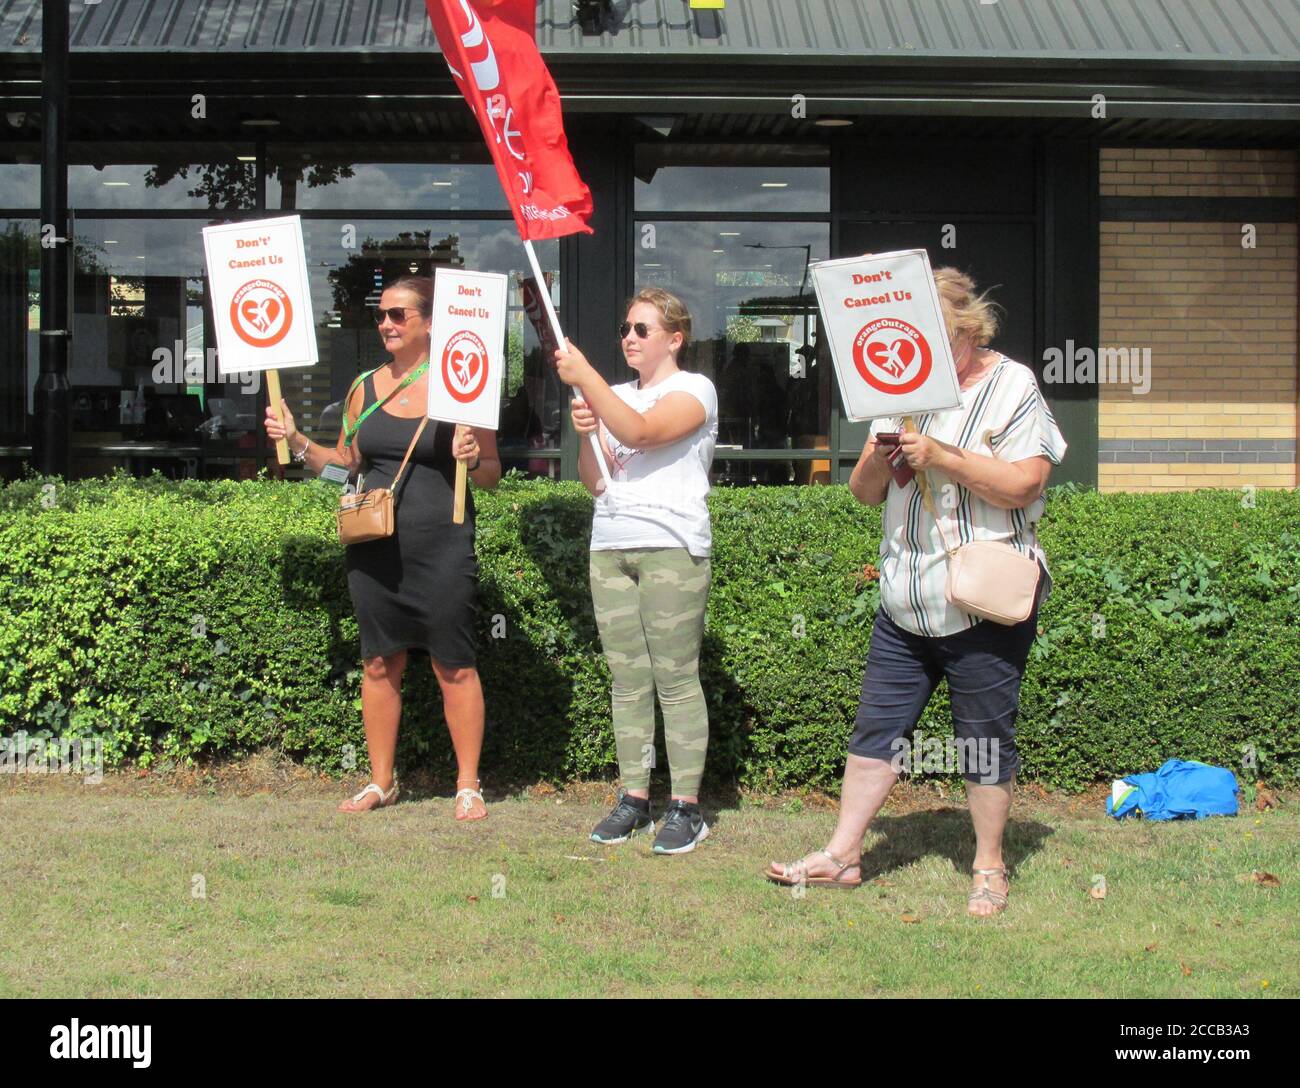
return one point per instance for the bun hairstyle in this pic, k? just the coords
(672, 311)
(965, 314)
(420, 286)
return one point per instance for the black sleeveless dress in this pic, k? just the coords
(417, 589)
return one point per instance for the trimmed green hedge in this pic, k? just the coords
(178, 620)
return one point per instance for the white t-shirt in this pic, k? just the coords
(1007, 407)
(658, 496)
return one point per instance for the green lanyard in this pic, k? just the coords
(349, 433)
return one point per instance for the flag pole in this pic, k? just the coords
(553, 318)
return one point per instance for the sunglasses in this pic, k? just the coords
(642, 329)
(395, 314)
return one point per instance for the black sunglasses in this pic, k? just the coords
(395, 314)
(642, 329)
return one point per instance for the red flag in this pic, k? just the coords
(491, 49)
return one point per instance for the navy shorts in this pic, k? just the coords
(984, 666)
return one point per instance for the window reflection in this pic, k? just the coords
(20, 322)
(142, 360)
(755, 330)
(20, 185)
(748, 472)
(208, 176)
(348, 264)
(309, 178)
(720, 178)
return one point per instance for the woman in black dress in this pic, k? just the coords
(416, 589)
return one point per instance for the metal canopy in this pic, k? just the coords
(912, 31)
(1176, 62)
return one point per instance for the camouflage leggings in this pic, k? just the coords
(650, 610)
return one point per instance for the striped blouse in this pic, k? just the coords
(1003, 415)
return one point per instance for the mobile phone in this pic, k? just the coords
(903, 472)
(889, 438)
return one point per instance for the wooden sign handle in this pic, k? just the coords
(922, 484)
(273, 398)
(462, 480)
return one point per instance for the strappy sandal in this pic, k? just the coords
(987, 894)
(464, 802)
(796, 873)
(385, 799)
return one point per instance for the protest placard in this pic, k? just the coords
(885, 328)
(261, 301)
(467, 355)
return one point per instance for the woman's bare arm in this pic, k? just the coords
(869, 482)
(1009, 485)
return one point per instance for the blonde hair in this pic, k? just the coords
(672, 311)
(966, 315)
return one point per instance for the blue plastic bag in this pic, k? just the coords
(1180, 788)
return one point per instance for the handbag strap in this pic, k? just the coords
(418, 431)
(927, 501)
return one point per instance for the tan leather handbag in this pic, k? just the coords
(371, 515)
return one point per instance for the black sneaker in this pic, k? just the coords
(681, 829)
(630, 815)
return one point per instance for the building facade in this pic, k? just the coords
(1121, 175)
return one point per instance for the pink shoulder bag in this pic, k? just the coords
(991, 580)
(987, 578)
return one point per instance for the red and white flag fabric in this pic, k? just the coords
(491, 48)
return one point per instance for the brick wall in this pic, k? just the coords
(1219, 320)
(1196, 171)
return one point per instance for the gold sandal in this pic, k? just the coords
(987, 894)
(795, 873)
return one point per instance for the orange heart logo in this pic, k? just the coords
(261, 313)
(894, 358)
(464, 365)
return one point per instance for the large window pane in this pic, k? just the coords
(142, 362)
(719, 178)
(312, 178)
(20, 185)
(20, 320)
(141, 287)
(348, 263)
(132, 275)
(145, 177)
(755, 330)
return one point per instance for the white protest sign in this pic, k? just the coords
(467, 347)
(261, 302)
(887, 337)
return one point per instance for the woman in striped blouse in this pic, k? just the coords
(987, 462)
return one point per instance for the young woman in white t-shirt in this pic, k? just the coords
(650, 544)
